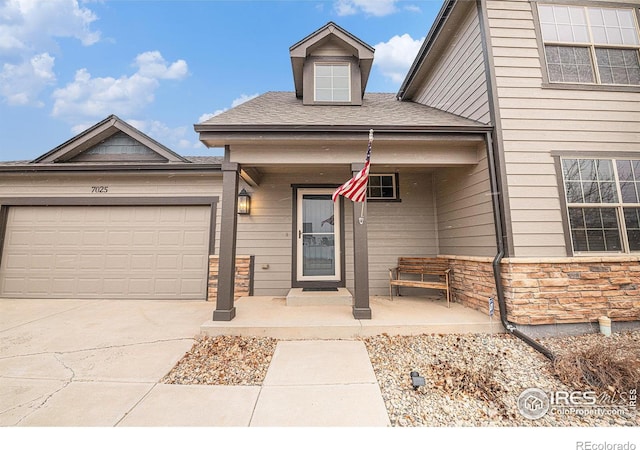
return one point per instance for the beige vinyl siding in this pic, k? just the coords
(266, 234)
(537, 121)
(457, 82)
(405, 228)
(120, 185)
(465, 211)
(395, 229)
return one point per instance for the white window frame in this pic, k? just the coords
(315, 82)
(619, 206)
(589, 43)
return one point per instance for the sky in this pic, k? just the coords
(164, 65)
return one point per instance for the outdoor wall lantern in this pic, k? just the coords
(244, 202)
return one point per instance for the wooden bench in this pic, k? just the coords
(437, 269)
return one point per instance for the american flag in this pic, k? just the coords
(356, 188)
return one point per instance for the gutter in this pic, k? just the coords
(497, 217)
(53, 167)
(307, 128)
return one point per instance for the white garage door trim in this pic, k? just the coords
(151, 248)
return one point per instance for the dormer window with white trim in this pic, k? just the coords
(332, 82)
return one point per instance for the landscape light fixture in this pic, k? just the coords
(244, 202)
(416, 380)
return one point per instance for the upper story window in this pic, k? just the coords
(332, 82)
(603, 201)
(591, 45)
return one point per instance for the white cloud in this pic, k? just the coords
(153, 65)
(89, 97)
(395, 56)
(412, 8)
(28, 33)
(238, 101)
(370, 7)
(242, 99)
(31, 25)
(21, 83)
(176, 138)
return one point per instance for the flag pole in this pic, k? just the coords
(362, 211)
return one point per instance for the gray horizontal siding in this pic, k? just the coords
(465, 211)
(405, 228)
(120, 185)
(457, 82)
(536, 121)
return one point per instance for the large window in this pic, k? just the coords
(590, 45)
(332, 83)
(603, 200)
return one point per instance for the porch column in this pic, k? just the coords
(225, 310)
(361, 308)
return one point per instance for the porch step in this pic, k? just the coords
(406, 316)
(298, 297)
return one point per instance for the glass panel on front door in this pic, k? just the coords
(318, 235)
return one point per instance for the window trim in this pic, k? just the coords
(346, 64)
(396, 188)
(619, 205)
(596, 86)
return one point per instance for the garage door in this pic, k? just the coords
(127, 252)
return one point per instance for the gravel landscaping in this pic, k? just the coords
(475, 380)
(470, 379)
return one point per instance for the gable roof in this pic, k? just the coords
(71, 156)
(303, 48)
(99, 133)
(284, 112)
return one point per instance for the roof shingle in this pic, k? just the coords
(378, 109)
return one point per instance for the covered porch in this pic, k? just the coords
(408, 315)
(431, 195)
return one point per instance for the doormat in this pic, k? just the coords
(320, 289)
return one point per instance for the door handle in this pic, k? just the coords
(299, 234)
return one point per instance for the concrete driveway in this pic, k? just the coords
(98, 363)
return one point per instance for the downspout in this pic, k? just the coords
(497, 273)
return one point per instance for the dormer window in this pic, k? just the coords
(331, 66)
(332, 82)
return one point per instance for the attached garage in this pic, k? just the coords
(129, 252)
(109, 214)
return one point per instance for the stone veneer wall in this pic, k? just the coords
(472, 282)
(571, 290)
(552, 290)
(243, 282)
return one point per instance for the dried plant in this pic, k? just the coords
(466, 376)
(604, 366)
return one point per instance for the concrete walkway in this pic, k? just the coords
(98, 362)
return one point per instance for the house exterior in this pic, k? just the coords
(551, 93)
(512, 150)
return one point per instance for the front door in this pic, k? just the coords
(318, 236)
